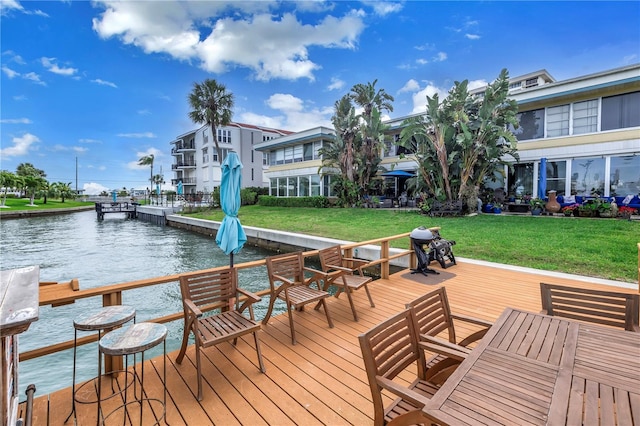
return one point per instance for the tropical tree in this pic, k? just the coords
(7, 181)
(158, 180)
(33, 184)
(368, 98)
(28, 169)
(463, 140)
(147, 160)
(211, 105)
(63, 191)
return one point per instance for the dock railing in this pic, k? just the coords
(66, 293)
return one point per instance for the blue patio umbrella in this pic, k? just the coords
(231, 237)
(179, 188)
(158, 189)
(542, 179)
(114, 195)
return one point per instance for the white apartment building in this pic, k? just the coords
(588, 129)
(196, 164)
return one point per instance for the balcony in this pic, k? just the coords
(183, 165)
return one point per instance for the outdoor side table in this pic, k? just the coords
(101, 320)
(131, 340)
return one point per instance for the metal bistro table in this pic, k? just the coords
(533, 369)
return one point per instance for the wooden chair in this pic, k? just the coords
(596, 306)
(387, 350)
(206, 291)
(340, 271)
(433, 316)
(289, 283)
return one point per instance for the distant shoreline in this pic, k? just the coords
(8, 214)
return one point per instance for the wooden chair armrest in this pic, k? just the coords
(252, 297)
(340, 268)
(443, 347)
(407, 394)
(192, 307)
(472, 320)
(361, 262)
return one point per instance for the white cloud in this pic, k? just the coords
(157, 154)
(15, 121)
(137, 135)
(34, 77)
(49, 63)
(9, 72)
(630, 59)
(336, 84)
(475, 84)
(384, 8)
(94, 188)
(7, 5)
(440, 57)
(472, 36)
(104, 83)
(89, 141)
(294, 114)
(271, 46)
(420, 97)
(421, 61)
(21, 146)
(410, 86)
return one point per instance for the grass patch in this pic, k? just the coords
(20, 204)
(604, 248)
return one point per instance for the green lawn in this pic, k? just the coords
(19, 204)
(605, 248)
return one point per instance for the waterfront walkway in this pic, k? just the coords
(321, 380)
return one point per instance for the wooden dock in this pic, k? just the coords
(320, 380)
(116, 207)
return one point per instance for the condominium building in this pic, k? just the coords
(587, 128)
(196, 165)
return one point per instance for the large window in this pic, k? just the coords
(205, 155)
(224, 136)
(303, 188)
(558, 121)
(315, 185)
(621, 111)
(625, 175)
(556, 176)
(531, 125)
(587, 176)
(585, 117)
(521, 180)
(307, 151)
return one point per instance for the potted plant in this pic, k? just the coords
(588, 209)
(570, 209)
(537, 206)
(604, 209)
(625, 212)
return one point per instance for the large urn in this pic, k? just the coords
(552, 206)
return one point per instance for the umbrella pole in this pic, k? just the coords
(231, 260)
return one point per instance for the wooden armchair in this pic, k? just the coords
(601, 307)
(387, 350)
(289, 283)
(340, 271)
(433, 316)
(206, 291)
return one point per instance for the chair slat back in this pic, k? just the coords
(433, 313)
(208, 288)
(602, 307)
(330, 256)
(288, 265)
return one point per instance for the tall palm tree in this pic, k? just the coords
(211, 105)
(366, 96)
(345, 122)
(7, 181)
(147, 160)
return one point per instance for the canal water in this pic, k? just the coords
(98, 253)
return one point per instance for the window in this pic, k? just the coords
(515, 85)
(585, 117)
(265, 158)
(279, 156)
(307, 149)
(316, 148)
(205, 155)
(252, 177)
(625, 175)
(225, 152)
(531, 82)
(282, 187)
(297, 153)
(587, 176)
(288, 155)
(531, 125)
(327, 190)
(304, 186)
(224, 136)
(273, 187)
(619, 112)
(292, 187)
(556, 176)
(205, 137)
(521, 180)
(252, 155)
(558, 121)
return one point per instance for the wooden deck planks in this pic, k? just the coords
(321, 379)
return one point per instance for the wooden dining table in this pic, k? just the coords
(534, 369)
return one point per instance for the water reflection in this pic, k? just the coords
(98, 253)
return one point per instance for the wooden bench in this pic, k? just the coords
(601, 307)
(449, 207)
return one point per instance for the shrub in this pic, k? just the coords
(271, 201)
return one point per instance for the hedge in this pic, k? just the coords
(271, 201)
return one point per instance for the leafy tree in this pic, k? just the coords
(211, 105)
(8, 181)
(463, 139)
(33, 184)
(28, 169)
(63, 191)
(368, 98)
(147, 160)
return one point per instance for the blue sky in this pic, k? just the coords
(101, 84)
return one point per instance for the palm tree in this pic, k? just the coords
(211, 105)
(7, 181)
(147, 160)
(158, 180)
(366, 96)
(33, 185)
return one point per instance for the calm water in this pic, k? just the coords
(99, 253)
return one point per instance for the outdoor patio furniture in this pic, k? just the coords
(288, 283)
(341, 271)
(601, 307)
(536, 369)
(434, 316)
(205, 291)
(388, 349)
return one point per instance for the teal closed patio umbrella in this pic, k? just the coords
(231, 237)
